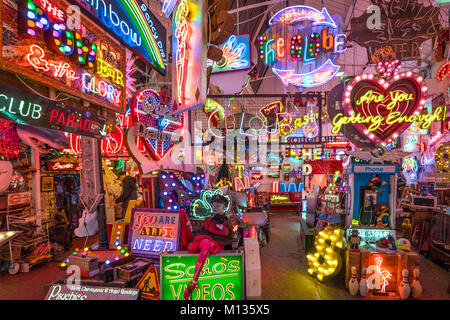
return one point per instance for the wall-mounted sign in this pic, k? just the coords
(236, 55)
(73, 292)
(154, 231)
(189, 54)
(390, 25)
(293, 124)
(155, 123)
(30, 109)
(374, 168)
(443, 71)
(410, 142)
(40, 41)
(222, 277)
(302, 55)
(382, 109)
(63, 166)
(132, 22)
(279, 197)
(20, 198)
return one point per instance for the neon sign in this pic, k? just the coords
(167, 7)
(444, 71)
(188, 52)
(153, 232)
(379, 278)
(288, 122)
(106, 70)
(134, 25)
(222, 277)
(62, 166)
(91, 84)
(383, 108)
(28, 109)
(155, 123)
(302, 55)
(236, 55)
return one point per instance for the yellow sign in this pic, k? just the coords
(395, 97)
(149, 285)
(106, 70)
(279, 198)
(285, 123)
(393, 117)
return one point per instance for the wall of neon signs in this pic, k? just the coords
(132, 22)
(302, 55)
(29, 109)
(41, 42)
(154, 231)
(236, 55)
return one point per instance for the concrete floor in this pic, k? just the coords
(283, 274)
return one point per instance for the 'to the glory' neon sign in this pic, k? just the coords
(302, 56)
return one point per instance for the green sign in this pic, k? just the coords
(222, 277)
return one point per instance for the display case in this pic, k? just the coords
(440, 237)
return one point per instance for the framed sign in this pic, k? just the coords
(154, 231)
(236, 55)
(222, 277)
(40, 41)
(47, 184)
(20, 198)
(73, 292)
(32, 110)
(132, 23)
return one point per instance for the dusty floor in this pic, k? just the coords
(284, 275)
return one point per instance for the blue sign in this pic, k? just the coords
(134, 25)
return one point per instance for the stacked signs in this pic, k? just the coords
(302, 55)
(42, 42)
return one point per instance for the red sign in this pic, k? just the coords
(444, 71)
(382, 108)
(63, 166)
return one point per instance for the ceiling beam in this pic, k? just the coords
(252, 6)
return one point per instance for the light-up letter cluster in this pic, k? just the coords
(326, 261)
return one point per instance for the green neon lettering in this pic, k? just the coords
(36, 111)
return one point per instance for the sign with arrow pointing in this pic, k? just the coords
(301, 55)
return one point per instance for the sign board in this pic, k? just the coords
(20, 198)
(149, 284)
(371, 235)
(301, 45)
(280, 197)
(374, 168)
(222, 277)
(32, 110)
(154, 231)
(132, 22)
(42, 42)
(236, 55)
(63, 166)
(73, 292)
(189, 54)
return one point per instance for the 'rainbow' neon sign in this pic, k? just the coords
(302, 56)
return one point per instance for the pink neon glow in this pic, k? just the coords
(36, 58)
(182, 33)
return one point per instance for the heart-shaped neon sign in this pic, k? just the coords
(381, 109)
(155, 124)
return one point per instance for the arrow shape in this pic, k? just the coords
(315, 78)
(295, 14)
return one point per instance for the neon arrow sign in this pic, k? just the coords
(294, 14)
(301, 55)
(315, 78)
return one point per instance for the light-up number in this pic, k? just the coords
(32, 18)
(60, 39)
(296, 47)
(85, 53)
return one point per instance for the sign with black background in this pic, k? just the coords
(32, 110)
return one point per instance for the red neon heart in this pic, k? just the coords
(406, 83)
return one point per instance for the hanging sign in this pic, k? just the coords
(236, 55)
(222, 276)
(29, 109)
(391, 25)
(40, 41)
(382, 109)
(132, 22)
(154, 231)
(155, 123)
(189, 54)
(63, 166)
(302, 55)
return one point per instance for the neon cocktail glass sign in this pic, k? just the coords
(302, 56)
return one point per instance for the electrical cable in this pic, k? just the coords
(258, 14)
(36, 92)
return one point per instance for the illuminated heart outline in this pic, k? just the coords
(383, 135)
(157, 149)
(205, 202)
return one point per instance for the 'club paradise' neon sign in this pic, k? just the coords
(383, 108)
(302, 56)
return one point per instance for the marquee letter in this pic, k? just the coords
(374, 20)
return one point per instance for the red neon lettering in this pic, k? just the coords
(86, 125)
(78, 124)
(52, 115)
(70, 120)
(61, 119)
